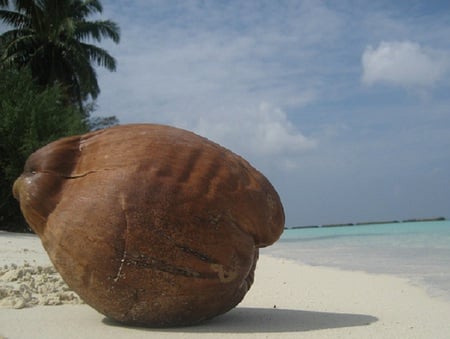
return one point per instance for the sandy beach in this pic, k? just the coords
(288, 300)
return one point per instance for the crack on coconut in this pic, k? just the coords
(73, 175)
(124, 254)
(84, 174)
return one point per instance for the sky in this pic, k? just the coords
(343, 105)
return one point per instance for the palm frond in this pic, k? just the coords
(17, 47)
(98, 30)
(85, 72)
(15, 19)
(52, 37)
(99, 56)
(26, 6)
(82, 9)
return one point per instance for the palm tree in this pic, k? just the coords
(51, 37)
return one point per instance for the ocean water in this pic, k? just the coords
(419, 251)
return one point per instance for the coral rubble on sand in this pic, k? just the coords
(27, 286)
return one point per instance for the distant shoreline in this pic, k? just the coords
(368, 223)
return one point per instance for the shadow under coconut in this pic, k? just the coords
(263, 320)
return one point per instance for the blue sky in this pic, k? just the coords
(343, 105)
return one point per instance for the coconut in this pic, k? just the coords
(151, 225)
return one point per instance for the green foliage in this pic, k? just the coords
(52, 37)
(96, 123)
(46, 77)
(29, 118)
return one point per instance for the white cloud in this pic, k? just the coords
(211, 76)
(405, 64)
(261, 132)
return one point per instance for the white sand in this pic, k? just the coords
(287, 301)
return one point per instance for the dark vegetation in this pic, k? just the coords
(48, 83)
(369, 223)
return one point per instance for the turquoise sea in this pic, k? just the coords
(419, 251)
